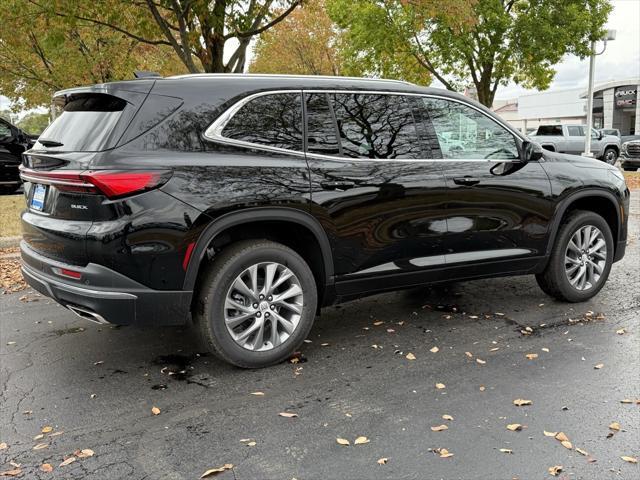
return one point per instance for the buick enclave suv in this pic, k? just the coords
(247, 203)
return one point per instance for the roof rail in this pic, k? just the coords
(279, 75)
(146, 74)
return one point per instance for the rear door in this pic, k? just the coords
(498, 208)
(375, 188)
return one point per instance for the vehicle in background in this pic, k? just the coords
(610, 131)
(630, 155)
(629, 138)
(570, 139)
(13, 142)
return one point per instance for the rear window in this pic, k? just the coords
(86, 124)
(549, 130)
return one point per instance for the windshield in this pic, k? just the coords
(85, 125)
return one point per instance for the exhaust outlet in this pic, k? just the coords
(87, 314)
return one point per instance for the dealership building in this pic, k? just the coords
(616, 104)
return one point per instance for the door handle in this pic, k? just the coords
(466, 181)
(338, 185)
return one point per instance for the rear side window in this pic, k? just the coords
(375, 126)
(550, 130)
(273, 120)
(575, 131)
(321, 128)
(86, 124)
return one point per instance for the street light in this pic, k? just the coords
(609, 37)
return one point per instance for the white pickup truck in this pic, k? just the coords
(570, 139)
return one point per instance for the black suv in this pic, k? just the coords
(13, 142)
(249, 202)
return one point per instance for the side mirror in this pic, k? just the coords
(531, 151)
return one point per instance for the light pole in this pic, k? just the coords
(609, 37)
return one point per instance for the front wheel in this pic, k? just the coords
(610, 155)
(580, 260)
(256, 303)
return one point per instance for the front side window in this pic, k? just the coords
(465, 133)
(575, 131)
(5, 131)
(273, 120)
(375, 126)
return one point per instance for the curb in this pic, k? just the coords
(8, 242)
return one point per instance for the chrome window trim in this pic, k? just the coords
(214, 131)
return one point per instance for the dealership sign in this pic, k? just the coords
(626, 97)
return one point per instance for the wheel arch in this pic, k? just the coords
(610, 211)
(257, 215)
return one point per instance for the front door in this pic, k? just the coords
(498, 208)
(375, 188)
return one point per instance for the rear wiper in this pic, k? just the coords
(50, 143)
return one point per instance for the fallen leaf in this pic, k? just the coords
(251, 444)
(549, 434)
(514, 427)
(40, 446)
(494, 349)
(599, 366)
(215, 471)
(288, 414)
(629, 459)
(447, 417)
(555, 470)
(480, 361)
(46, 468)
(379, 322)
(444, 453)
(506, 450)
(468, 354)
(324, 344)
(390, 330)
(622, 331)
(410, 356)
(567, 444)
(155, 410)
(434, 350)
(482, 388)
(582, 452)
(361, 441)
(47, 429)
(531, 356)
(626, 400)
(615, 426)
(11, 473)
(3, 446)
(343, 441)
(440, 386)
(439, 428)
(67, 461)
(544, 349)
(38, 437)
(383, 461)
(85, 453)
(258, 394)
(562, 437)
(519, 402)
(55, 434)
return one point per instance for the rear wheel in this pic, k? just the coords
(580, 260)
(610, 155)
(256, 304)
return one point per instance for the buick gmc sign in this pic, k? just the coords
(625, 97)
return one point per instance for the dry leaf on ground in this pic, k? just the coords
(549, 434)
(447, 417)
(410, 356)
(67, 461)
(361, 441)
(514, 427)
(3, 446)
(506, 450)
(629, 459)
(258, 394)
(531, 356)
(40, 446)
(343, 441)
(545, 349)
(555, 470)
(622, 331)
(519, 402)
(582, 452)
(440, 386)
(480, 361)
(598, 366)
(561, 436)
(434, 350)
(615, 426)
(439, 428)
(47, 429)
(383, 461)
(155, 410)
(84, 453)
(11, 473)
(46, 468)
(215, 471)
(288, 414)
(444, 453)
(567, 444)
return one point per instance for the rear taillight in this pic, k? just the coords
(111, 183)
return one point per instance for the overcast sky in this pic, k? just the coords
(620, 60)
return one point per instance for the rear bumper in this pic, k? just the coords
(103, 295)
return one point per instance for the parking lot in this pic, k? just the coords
(95, 387)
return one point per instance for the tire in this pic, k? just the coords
(554, 280)
(610, 155)
(215, 286)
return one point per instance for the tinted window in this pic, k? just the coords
(575, 131)
(274, 120)
(465, 133)
(86, 124)
(549, 130)
(321, 128)
(5, 131)
(376, 126)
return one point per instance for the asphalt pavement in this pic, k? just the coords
(97, 385)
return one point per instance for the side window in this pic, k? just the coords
(465, 133)
(575, 131)
(5, 131)
(321, 129)
(375, 126)
(274, 120)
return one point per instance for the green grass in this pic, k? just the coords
(10, 208)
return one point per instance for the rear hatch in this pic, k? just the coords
(64, 195)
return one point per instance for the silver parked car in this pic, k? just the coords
(570, 139)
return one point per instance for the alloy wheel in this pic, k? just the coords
(585, 257)
(263, 306)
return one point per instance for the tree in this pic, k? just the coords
(34, 123)
(198, 31)
(305, 42)
(484, 42)
(41, 53)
